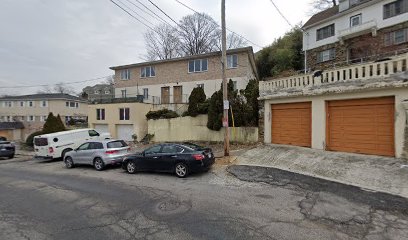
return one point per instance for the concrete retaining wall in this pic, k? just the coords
(195, 129)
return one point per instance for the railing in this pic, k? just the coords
(182, 99)
(348, 73)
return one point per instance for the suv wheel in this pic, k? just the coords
(69, 163)
(99, 164)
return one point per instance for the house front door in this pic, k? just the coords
(165, 95)
(177, 94)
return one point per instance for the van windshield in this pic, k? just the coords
(116, 144)
(40, 142)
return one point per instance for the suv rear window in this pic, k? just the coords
(116, 144)
(40, 142)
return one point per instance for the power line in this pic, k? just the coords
(163, 12)
(152, 11)
(46, 85)
(277, 9)
(132, 15)
(135, 12)
(185, 5)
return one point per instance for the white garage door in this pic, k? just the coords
(101, 128)
(124, 132)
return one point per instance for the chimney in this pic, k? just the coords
(344, 5)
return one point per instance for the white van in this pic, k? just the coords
(56, 145)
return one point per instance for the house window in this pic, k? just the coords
(148, 71)
(232, 61)
(44, 104)
(123, 93)
(76, 105)
(9, 118)
(395, 8)
(22, 104)
(66, 104)
(8, 104)
(72, 104)
(355, 20)
(100, 114)
(145, 93)
(30, 103)
(200, 85)
(198, 65)
(325, 32)
(396, 37)
(30, 118)
(125, 74)
(107, 92)
(97, 91)
(326, 55)
(43, 118)
(124, 114)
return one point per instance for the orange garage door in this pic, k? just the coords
(291, 124)
(361, 126)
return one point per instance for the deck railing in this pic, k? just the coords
(347, 73)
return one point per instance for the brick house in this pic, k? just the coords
(356, 31)
(99, 92)
(358, 103)
(32, 110)
(172, 80)
(154, 85)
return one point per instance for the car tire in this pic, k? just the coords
(69, 163)
(181, 170)
(99, 165)
(131, 167)
(65, 152)
(11, 156)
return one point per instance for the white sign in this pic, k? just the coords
(226, 104)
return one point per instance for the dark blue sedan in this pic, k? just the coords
(181, 159)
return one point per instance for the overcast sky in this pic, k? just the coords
(53, 41)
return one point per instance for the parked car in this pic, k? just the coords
(56, 145)
(7, 148)
(180, 159)
(98, 153)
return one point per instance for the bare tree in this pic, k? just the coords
(61, 88)
(320, 5)
(198, 33)
(45, 89)
(110, 80)
(162, 42)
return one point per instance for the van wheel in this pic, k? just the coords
(98, 164)
(65, 152)
(69, 163)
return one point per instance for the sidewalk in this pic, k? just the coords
(375, 173)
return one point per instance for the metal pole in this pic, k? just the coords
(224, 79)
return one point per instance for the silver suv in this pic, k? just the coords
(98, 153)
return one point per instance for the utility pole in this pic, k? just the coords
(224, 80)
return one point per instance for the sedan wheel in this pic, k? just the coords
(181, 170)
(131, 167)
(98, 164)
(69, 163)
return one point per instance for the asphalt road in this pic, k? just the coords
(43, 200)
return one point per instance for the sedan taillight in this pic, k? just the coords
(112, 152)
(198, 157)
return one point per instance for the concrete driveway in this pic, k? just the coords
(375, 173)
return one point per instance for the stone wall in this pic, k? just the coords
(195, 129)
(261, 121)
(356, 48)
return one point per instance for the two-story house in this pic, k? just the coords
(172, 80)
(32, 110)
(357, 106)
(154, 85)
(99, 92)
(356, 31)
